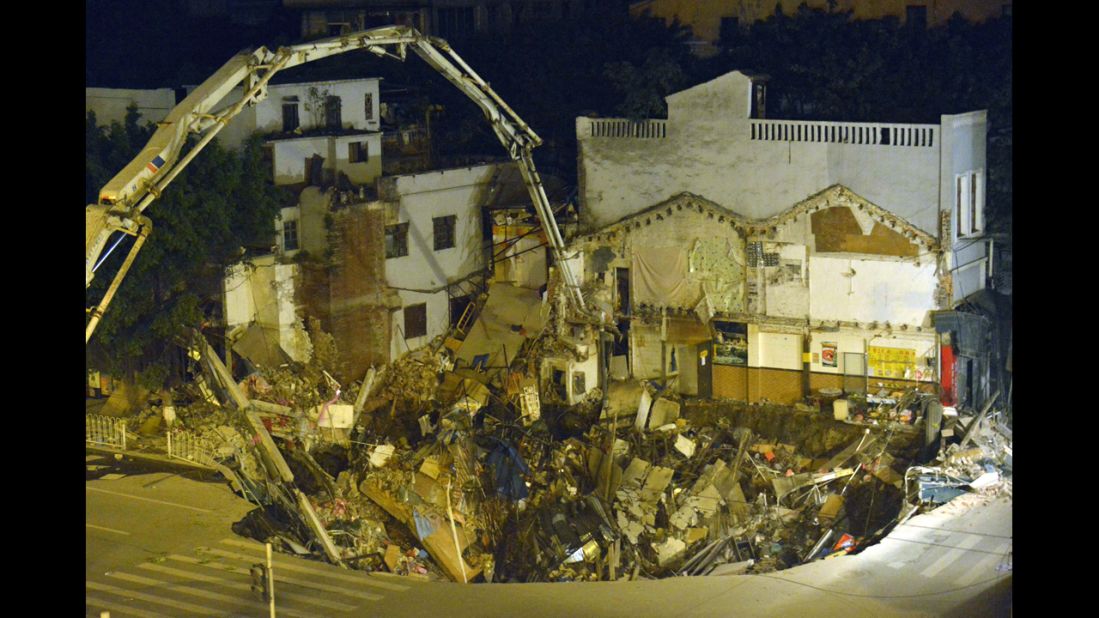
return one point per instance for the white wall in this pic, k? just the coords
(110, 104)
(353, 112)
(289, 157)
(266, 116)
(263, 292)
(422, 197)
(773, 350)
(923, 344)
(880, 290)
(708, 151)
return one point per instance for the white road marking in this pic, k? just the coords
(106, 529)
(986, 566)
(280, 570)
(297, 568)
(164, 502)
(173, 587)
(218, 566)
(951, 556)
(151, 598)
(113, 476)
(94, 601)
(198, 577)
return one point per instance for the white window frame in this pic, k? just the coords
(961, 205)
(969, 204)
(978, 180)
(290, 222)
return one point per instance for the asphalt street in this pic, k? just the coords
(159, 542)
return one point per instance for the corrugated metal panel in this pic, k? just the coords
(970, 331)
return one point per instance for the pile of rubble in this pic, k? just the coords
(431, 472)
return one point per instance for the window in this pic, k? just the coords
(290, 235)
(290, 115)
(396, 240)
(357, 152)
(444, 231)
(415, 321)
(368, 105)
(969, 203)
(332, 117)
(916, 16)
(961, 206)
(977, 200)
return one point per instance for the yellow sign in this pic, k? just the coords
(897, 363)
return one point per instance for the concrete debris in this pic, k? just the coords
(436, 468)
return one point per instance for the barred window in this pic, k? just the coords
(444, 231)
(396, 240)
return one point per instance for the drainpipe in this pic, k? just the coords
(806, 357)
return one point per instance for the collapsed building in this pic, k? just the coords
(767, 375)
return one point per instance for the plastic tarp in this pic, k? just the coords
(659, 274)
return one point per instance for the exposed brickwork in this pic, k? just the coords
(348, 293)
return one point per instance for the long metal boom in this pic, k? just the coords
(129, 193)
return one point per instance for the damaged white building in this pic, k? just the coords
(760, 259)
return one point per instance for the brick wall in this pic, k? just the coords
(348, 294)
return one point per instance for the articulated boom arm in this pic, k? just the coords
(129, 193)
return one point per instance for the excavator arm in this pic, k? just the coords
(124, 198)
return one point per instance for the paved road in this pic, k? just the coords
(160, 544)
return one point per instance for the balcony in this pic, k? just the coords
(862, 133)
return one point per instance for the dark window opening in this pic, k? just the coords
(444, 231)
(314, 170)
(415, 321)
(559, 385)
(396, 240)
(332, 114)
(622, 278)
(290, 119)
(673, 364)
(759, 100)
(973, 203)
(579, 387)
(915, 16)
(357, 152)
(458, 306)
(290, 235)
(622, 344)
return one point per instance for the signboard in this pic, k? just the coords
(899, 363)
(731, 343)
(828, 353)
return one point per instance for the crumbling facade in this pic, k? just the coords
(768, 259)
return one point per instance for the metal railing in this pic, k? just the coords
(183, 444)
(921, 135)
(105, 430)
(623, 127)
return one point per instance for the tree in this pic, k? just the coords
(218, 207)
